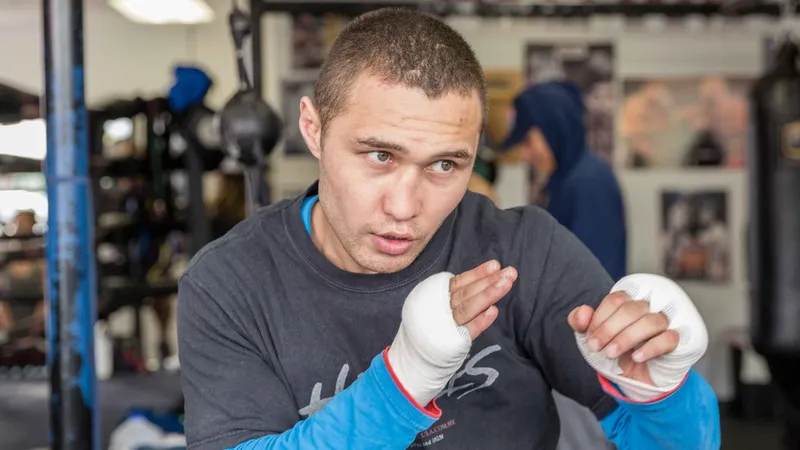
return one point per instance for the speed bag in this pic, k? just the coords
(774, 228)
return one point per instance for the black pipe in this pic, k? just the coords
(200, 229)
(258, 191)
(256, 63)
(70, 250)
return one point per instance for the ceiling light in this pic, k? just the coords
(164, 11)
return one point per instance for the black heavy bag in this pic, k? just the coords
(774, 235)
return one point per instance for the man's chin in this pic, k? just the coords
(378, 262)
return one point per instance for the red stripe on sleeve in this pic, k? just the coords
(432, 410)
(609, 387)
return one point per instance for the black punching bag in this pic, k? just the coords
(774, 237)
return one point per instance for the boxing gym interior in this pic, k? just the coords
(693, 104)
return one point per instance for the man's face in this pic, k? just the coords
(393, 165)
(536, 152)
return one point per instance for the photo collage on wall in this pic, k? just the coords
(695, 235)
(660, 123)
(591, 67)
(690, 122)
(680, 124)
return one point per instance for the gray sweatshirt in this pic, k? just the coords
(270, 330)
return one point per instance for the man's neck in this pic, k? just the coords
(328, 244)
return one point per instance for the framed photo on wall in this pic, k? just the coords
(502, 86)
(685, 122)
(591, 67)
(293, 90)
(696, 235)
(312, 37)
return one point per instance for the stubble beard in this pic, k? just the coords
(357, 244)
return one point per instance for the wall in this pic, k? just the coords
(122, 59)
(642, 50)
(733, 49)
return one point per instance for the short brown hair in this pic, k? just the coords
(403, 47)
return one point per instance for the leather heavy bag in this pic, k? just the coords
(774, 233)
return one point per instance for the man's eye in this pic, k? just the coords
(379, 157)
(443, 166)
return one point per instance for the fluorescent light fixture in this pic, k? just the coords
(164, 11)
(26, 139)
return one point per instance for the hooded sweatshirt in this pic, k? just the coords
(584, 194)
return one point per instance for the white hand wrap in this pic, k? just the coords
(666, 371)
(429, 347)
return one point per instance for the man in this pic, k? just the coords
(334, 320)
(22, 283)
(583, 194)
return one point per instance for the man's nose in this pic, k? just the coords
(403, 201)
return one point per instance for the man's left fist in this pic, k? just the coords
(644, 336)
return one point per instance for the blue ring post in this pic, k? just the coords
(71, 288)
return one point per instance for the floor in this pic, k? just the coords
(24, 419)
(740, 435)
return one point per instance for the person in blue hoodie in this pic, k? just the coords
(583, 196)
(583, 192)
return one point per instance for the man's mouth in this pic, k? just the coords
(393, 244)
(396, 237)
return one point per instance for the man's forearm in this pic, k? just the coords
(374, 412)
(688, 418)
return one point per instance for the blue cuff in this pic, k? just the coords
(687, 418)
(395, 395)
(683, 396)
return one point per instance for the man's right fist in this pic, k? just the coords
(441, 316)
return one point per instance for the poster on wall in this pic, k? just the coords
(294, 89)
(312, 37)
(591, 67)
(695, 235)
(687, 122)
(502, 86)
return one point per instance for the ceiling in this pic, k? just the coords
(10, 6)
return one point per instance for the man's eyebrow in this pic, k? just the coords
(463, 155)
(379, 144)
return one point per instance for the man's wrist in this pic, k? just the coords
(429, 408)
(408, 375)
(635, 392)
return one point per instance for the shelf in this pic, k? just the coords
(15, 164)
(20, 255)
(119, 292)
(22, 237)
(130, 167)
(124, 227)
(508, 9)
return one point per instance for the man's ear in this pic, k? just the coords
(310, 126)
